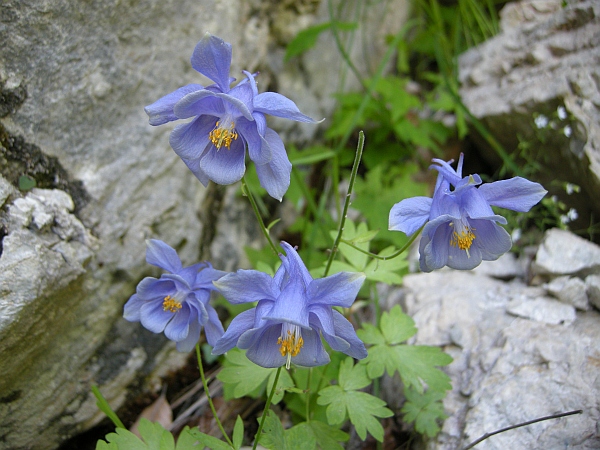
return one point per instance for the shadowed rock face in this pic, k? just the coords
(546, 57)
(73, 83)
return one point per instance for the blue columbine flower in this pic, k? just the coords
(461, 228)
(226, 120)
(292, 313)
(177, 302)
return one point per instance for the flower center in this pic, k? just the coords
(462, 237)
(170, 304)
(290, 342)
(222, 135)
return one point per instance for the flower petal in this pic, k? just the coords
(240, 324)
(199, 103)
(274, 176)
(345, 331)
(517, 193)
(410, 214)
(473, 203)
(259, 153)
(291, 305)
(265, 352)
(190, 140)
(492, 239)
(212, 58)
(239, 104)
(312, 353)
(131, 310)
(161, 111)
(435, 243)
(246, 286)
(153, 316)
(461, 260)
(293, 264)
(194, 166)
(280, 106)
(151, 289)
(340, 289)
(162, 255)
(225, 166)
(206, 275)
(188, 344)
(213, 328)
(178, 328)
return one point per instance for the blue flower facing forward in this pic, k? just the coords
(177, 302)
(226, 121)
(461, 228)
(292, 313)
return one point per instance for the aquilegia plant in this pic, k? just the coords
(296, 323)
(461, 228)
(225, 121)
(177, 302)
(292, 313)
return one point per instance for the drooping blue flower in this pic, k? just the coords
(461, 228)
(177, 302)
(293, 312)
(225, 121)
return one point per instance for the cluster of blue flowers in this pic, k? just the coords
(292, 310)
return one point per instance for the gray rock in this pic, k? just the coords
(569, 290)
(506, 369)
(506, 267)
(73, 84)
(542, 309)
(592, 284)
(536, 82)
(563, 253)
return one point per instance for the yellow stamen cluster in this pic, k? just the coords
(223, 136)
(290, 346)
(463, 240)
(170, 304)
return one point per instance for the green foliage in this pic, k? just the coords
(26, 183)
(154, 437)
(303, 436)
(416, 364)
(307, 38)
(346, 401)
(424, 410)
(242, 377)
(103, 406)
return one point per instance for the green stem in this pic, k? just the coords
(357, 157)
(210, 402)
(267, 406)
(393, 255)
(246, 191)
(308, 395)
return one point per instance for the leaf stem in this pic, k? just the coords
(246, 191)
(524, 424)
(357, 157)
(267, 406)
(210, 402)
(393, 255)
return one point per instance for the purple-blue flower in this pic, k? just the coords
(225, 121)
(461, 228)
(177, 302)
(293, 312)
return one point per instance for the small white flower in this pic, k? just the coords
(572, 214)
(571, 188)
(568, 131)
(562, 112)
(541, 121)
(516, 234)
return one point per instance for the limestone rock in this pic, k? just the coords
(569, 290)
(73, 84)
(563, 253)
(536, 82)
(506, 369)
(592, 284)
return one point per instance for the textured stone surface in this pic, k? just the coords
(569, 290)
(507, 369)
(73, 83)
(547, 57)
(563, 253)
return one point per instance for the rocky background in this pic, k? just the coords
(73, 83)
